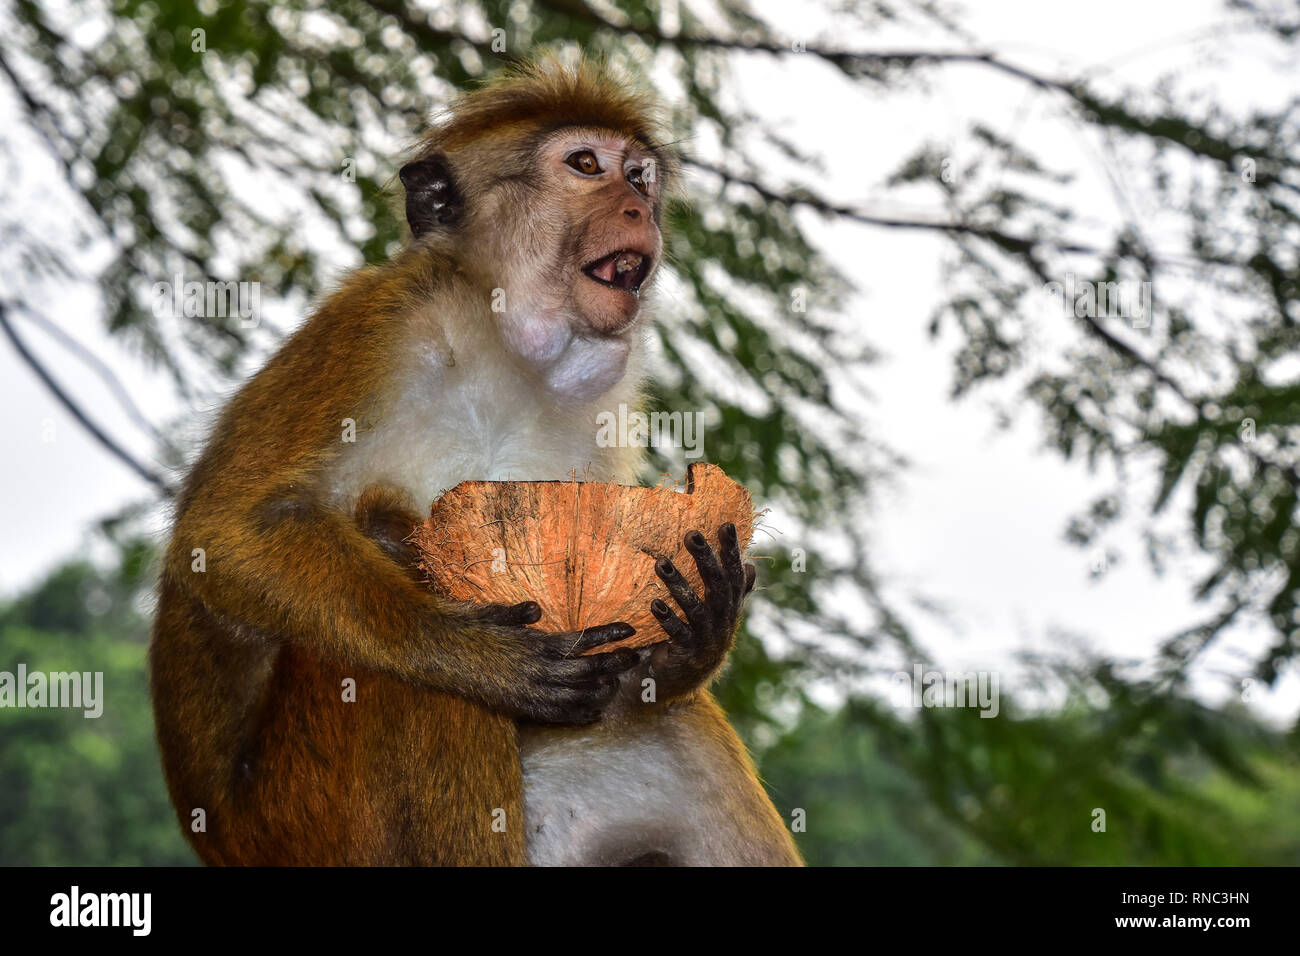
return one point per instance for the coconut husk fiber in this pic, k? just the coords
(584, 551)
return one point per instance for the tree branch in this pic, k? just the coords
(105, 373)
(850, 61)
(96, 432)
(1007, 242)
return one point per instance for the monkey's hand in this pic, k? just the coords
(543, 677)
(698, 646)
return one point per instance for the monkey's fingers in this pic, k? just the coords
(673, 625)
(577, 689)
(578, 641)
(717, 589)
(561, 704)
(582, 672)
(512, 615)
(732, 562)
(694, 609)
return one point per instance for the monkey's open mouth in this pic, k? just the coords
(623, 269)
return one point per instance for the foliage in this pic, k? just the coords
(172, 143)
(172, 121)
(80, 790)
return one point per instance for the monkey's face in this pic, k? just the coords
(576, 244)
(608, 187)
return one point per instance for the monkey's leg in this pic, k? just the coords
(741, 827)
(669, 786)
(392, 775)
(295, 761)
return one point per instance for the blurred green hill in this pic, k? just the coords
(945, 787)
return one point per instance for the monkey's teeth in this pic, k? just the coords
(627, 262)
(624, 270)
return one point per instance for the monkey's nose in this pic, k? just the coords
(635, 207)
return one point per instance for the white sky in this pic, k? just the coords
(1003, 569)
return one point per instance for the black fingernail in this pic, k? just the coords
(695, 539)
(658, 607)
(728, 529)
(665, 568)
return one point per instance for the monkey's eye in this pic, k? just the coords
(584, 161)
(636, 176)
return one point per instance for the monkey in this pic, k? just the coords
(315, 701)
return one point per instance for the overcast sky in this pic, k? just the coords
(1002, 567)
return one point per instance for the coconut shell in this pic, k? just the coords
(585, 551)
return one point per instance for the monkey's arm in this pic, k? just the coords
(699, 645)
(304, 572)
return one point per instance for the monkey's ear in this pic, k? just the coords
(432, 199)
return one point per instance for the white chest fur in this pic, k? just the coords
(474, 421)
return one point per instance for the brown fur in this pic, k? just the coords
(539, 95)
(301, 592)
(248, 657)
